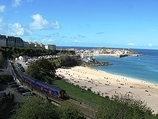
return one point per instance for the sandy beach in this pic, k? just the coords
(107, 84)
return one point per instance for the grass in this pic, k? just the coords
(79, 94)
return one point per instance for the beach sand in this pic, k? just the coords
(107, 84)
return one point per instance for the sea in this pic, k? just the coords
(144, 67)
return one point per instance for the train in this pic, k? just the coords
(47, 89)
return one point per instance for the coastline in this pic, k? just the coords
(107, 84)
(111, 55)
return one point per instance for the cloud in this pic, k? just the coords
(16, 29)
(56, 25)
(81, 36)
(150, 45)
(47, 41)
(1, 21)
(131, 44)
(40, 23)
(2, 24)
(2, 8)
(99, 33)
(16, 3)
(50, 40)
(76, 41)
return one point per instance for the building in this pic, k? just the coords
(19, 42)
(50, 47)
(3, 41)
(42, 46)
(31, 45)
(37, 46)
(26, 45)
(12, 41)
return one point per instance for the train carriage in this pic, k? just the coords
(43, 87)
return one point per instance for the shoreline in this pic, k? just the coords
(107, 84)
(129, 77)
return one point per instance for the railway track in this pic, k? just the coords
(88, 111)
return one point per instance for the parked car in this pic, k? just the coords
(21, 90)
(28, 93)
(10, 83)
(22, 69)
(2, 95)
(18, 65)
(13, 85)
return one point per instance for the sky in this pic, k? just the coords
(88, 23)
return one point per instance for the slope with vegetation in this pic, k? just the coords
(116, 108)
(38, 108)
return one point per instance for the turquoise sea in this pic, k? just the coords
(143, 67)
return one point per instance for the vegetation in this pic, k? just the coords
(37, 108)
(79, 94)
(124, 108)
(43, 70)
(13, 52)
(6, 78)
(6, 103)
(116, 108)
(65, 60)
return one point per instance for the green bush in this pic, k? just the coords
(6, 78)
(124, 108)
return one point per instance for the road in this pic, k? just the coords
(17, 96)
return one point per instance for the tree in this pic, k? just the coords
(36, 108)
(69, 61)
(70, 112)
(124, 108)
(42, 69)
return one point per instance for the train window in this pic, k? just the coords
(46, 90)
(50, 91)
(56, 93)
(41, 88)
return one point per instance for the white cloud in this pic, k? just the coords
(76, 41)
(1, 23)
(50, 40)
(16, 3)
(56, 25)
(41, 23)
(16, 29)
(131, 44)
(2, 8)
(150, 45)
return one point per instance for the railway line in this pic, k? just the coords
(88, 111)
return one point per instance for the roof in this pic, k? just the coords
(49, 86)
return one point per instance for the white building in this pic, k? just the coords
(50, 47)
